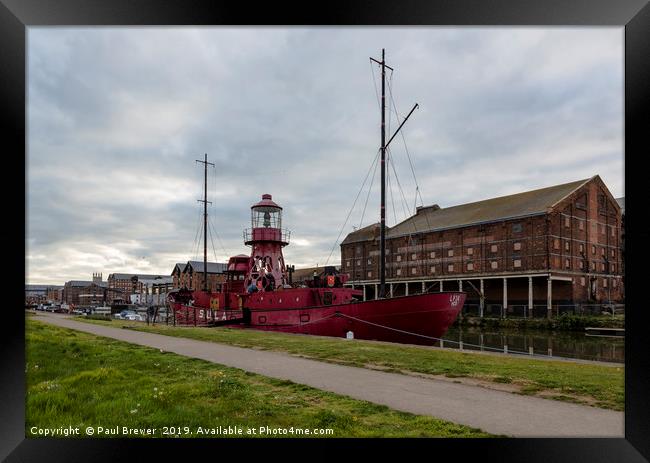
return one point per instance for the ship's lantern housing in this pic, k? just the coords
(266, 214)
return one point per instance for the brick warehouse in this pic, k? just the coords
(542, 248)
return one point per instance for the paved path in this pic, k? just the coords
(492, 411)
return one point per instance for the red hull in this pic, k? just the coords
(409, 319)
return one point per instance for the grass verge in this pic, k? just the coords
(595, 385)
(79, 380)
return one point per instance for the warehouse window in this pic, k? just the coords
(517, 246)
(414, 256)
(450, 253)
(593, 249)
(614, 282)
(399, 271)
(567, 221)
(433, 254)
(604, 282)
(581, 224)
(450, 267)
(556, 244)
(567, 263)
(516, 263)
(582, 281)
(567, 246)
(582, 248)
(613, 231)
(369, 274)
(582, 265)
(414, 271)
(517, 228)
(470, 251)
(470, 266)
(399, 258)
(433, 269)
(369, 261)
(359, 262)
(494, 248)
(494, 264)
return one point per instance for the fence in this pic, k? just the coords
(541, 310)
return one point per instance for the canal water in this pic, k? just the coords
(561, 343)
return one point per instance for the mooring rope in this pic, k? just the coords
(528, 354)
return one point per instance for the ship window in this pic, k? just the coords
(304, 318)
(261, 319)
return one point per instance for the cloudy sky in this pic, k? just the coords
(117, 117)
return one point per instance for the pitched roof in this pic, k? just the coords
(621, 204)
(213, 267)
(431, 218)
(363, 234)
(141, 276)
(80, 283)
(489, 210)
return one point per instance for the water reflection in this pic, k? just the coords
(560, 344)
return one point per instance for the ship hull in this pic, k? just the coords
(415, 319)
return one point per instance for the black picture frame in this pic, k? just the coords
(633, 15)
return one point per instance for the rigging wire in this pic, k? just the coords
(352, 208)
(417, 186)
(214, 228)
(368, 196)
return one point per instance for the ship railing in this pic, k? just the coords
(285, 234)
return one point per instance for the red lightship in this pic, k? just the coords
(257, 292)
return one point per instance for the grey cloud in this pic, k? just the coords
(117, 116)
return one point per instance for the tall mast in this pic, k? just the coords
(384, 145)
(382, 262)
(205, 221)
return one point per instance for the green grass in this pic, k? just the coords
(600, 386)
(80, 380)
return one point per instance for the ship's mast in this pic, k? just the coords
(205, 221)
(384, 145)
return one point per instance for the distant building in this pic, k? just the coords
(190, 275)
(127, 284)
(555, 245)
(300, 275)
(89, 293)
(37, 294)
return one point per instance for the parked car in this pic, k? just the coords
(128, 315)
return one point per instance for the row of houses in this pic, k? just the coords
(558, 245)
